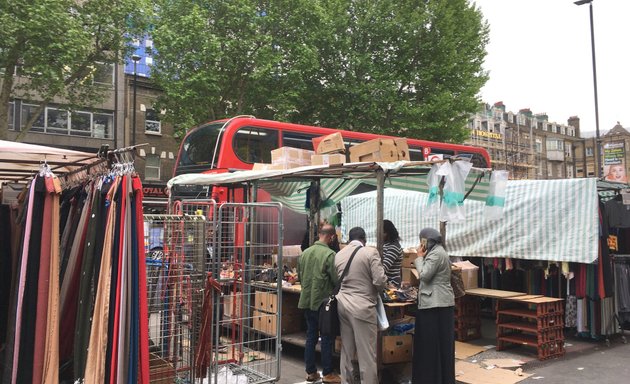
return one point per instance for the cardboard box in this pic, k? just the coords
(409, 256)
(403, 149)
(374, 150)
(289, 323)
(332, 143)
(260, 300)
(328, 159)
(291, 157)
(410, 275)
(397, 349)
(469, 274)
(289, 304)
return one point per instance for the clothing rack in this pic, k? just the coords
(619, 259)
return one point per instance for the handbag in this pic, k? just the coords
(457, 282)
(328, 314)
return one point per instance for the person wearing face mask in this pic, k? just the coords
(318, 277)
(434, 335)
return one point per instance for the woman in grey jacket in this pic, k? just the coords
(434, 338)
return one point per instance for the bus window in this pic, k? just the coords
(254, 145)
(476, 159)
(297, 140)
(447, 153)
(198, 148)
(415, 154)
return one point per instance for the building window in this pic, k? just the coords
(56, 120)
(28, 112)
(79, 123)
(539, 146)
(569, 172)
(11, 116)
(103, 125)
(152, 167)
(589, 151)
(555, 145)
(152, 122)
(104, 73)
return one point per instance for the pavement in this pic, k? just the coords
(585, 361)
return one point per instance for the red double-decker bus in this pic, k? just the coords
(238, 143)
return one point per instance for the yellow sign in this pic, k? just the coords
(490, 135)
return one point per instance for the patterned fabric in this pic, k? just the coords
(570, 312)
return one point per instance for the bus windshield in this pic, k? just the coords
(197, 150)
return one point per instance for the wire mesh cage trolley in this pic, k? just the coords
(245, 342)
(176, 269)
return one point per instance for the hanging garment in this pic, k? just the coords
(85, 304)
(16, 325)
(95, 370)
(50, 369)
(41, 314)
(143, 327)
(27, 337)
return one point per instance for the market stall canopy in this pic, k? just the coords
(555, 220)
(20, 161)
(290, 186)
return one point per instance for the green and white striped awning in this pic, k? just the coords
(554, 220)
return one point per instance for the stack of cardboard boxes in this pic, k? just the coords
(330, 150)
(267, 309)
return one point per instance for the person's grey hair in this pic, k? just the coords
(357, 233)
(432, 236)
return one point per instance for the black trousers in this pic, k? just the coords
(434, 346)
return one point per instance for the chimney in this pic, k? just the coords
(574, 121)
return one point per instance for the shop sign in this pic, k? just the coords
(490, 135)
(155, 190)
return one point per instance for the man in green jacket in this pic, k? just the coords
(318, 276)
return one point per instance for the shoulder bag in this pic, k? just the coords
(457, 282)
(328, 315)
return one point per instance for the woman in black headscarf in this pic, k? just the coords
(434, 339)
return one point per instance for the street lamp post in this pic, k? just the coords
(597, 149)
(135, 59)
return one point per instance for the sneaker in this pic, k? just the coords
(332, 378)
(312, 377)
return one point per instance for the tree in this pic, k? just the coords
(49, 49)
(403, 67)
(216, 59)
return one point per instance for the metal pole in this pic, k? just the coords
(597, 149)
(135, 82)
(598, 140)
(380, 179)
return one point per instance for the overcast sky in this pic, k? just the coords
(539, 57)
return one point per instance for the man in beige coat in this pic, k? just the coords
(357, 307)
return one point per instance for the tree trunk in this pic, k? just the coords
(29, 123)
(5, 95)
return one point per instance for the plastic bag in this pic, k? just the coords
(452, 209)
(225, 376)
(383, 323)
(496, 195)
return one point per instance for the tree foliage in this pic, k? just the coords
(49, 48)
(403, 67)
